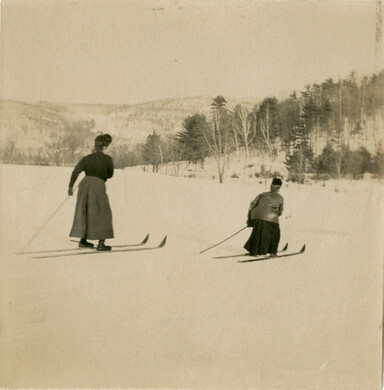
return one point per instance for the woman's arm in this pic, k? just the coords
(281, 208)
(254, 203)
(110, 167)
(75, 173)
(251, 207)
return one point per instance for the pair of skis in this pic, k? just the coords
(249, 258)
(89, 251)
(44, 254)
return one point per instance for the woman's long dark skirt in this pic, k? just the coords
(93, 215)
(264, 238)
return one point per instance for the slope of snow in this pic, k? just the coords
(175, 318)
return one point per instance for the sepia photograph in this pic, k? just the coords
(191, 194)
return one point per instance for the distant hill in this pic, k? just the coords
(27, 123)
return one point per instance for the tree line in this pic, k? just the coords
(316, 129)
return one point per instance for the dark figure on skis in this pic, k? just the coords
(93, 215)
(263, 216)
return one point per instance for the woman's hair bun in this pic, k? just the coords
(107, 139)
(103, 140)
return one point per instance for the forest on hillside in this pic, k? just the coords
(331, 129)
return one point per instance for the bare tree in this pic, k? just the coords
(217, 136)
(266, 132)
(244, 128)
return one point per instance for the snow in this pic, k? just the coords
(176, 318)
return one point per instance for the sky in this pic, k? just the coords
(124, 52)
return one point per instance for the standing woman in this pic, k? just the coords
(263, 216)
(93, 215)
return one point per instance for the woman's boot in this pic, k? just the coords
(102, 247)
(85, 244)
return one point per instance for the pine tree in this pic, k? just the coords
(299, 162)
(191, 139)
(152, 153)
(267, 125)
(289, 116)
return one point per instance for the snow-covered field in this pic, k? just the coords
(173, 318)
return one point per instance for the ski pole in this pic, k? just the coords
(45, 223)
(224, 240)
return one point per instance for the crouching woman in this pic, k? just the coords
(263, 216)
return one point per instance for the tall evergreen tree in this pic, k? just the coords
(288, 119)
(267, 124)
(151, 152)
(299, 162)
(191, 139)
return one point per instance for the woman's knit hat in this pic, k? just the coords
(276, 181)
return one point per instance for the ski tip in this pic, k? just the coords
(163, 242)
(285, 248)
(302, 249)
(145, 239)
